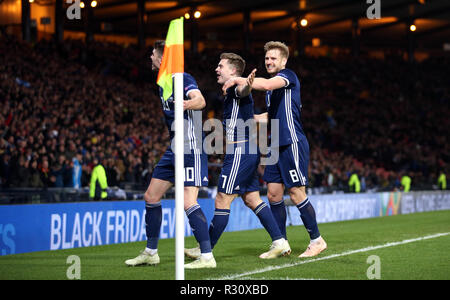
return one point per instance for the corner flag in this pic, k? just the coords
(172, 65)
(173, 57)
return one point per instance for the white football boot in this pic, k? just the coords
(201, 263)
(314, 248)
(193, 253)
(277, 249)
(143, 259)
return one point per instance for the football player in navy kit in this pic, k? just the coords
(283, 103)
(239, 172)
(196, 174)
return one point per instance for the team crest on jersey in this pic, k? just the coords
(191, 86)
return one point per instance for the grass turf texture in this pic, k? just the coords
(237, 253)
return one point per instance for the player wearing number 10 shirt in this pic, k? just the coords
(195, 174)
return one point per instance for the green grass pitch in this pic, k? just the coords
(409, 257)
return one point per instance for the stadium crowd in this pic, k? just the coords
(75, 102)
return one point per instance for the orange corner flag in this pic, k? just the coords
(173, 57)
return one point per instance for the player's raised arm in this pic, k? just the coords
(259, 83)
(263, 84)
(244, 90)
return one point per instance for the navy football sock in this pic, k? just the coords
(266, 218)
(308, 215)
(218, 225)
(153, 218)
(199, 226)
(279, 213)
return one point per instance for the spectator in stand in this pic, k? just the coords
(5, 170)
(45, 174)
(77, 170)
(35, 176)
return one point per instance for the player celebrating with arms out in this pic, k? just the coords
(239, 172)
(284, 104)
(196, 175)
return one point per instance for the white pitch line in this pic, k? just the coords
(273, 268)
(279, 278)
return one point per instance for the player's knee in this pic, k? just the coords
(190, 197)
(252, 204)
(274, 197)
(151, 198)
(188, 205)
(297, 195)
(223, 201)
(252, 200)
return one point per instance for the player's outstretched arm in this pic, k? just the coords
(263, 84)
(259, 83)
(196, 101)
(243, 90)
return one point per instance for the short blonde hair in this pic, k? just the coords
(284, 50)
(236, 61)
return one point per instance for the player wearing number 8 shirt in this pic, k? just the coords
(284, 104)
(196, 174)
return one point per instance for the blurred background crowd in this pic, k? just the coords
(72, 104)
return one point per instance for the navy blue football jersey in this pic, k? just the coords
(285, 105)
(193, 132)
(236, 111)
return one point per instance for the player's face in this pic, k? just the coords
(156, 60)
(274, 61)
(224, 71)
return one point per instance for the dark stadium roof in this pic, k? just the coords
(330, 20)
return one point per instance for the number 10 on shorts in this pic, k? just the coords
(189, 174)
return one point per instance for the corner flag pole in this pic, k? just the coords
(172, 64)
(179, 178)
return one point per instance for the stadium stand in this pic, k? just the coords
(100, 100)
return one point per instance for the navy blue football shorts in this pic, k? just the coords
(239, 172)
(195, 168)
